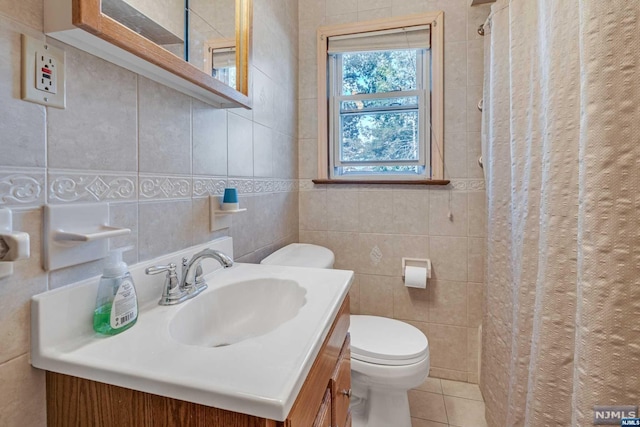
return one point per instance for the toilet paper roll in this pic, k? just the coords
(415, 277)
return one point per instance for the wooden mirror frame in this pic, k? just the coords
(87, 15)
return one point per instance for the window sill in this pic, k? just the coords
(382, 181)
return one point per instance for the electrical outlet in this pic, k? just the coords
(46, 73)
(43, 73)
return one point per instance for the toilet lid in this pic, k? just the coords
(385, 341)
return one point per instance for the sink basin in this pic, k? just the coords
(237, 312)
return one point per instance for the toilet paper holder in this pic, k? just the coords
(416, 262)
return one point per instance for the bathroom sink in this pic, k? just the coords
(273, 319)
(236, 312)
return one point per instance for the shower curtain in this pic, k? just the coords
(561, 148)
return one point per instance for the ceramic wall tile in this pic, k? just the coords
(164, 227)
(448, 347)
(476, 259)
(448, 213)
(410, 303)
(90, 134)
(313, 210)
(448, 302)
(209, 140)
(165, 129)
(308, 158)
(373, 14)
(28, 12)
(455, 158)
(475, 300)
(125, 215)
(308, 124)
(474, 115)
(475, 62)
(342, 210)
(345, 248)
(75, 273)
(354, 295)
(410, 211)
(262, 151)
(337, 7)
(16, 291)
(22, 123)
(477, 214)
(376, 295)
(474, 151)
(373, 4)
(264, 99)
(22, 390)
(449, 258)
(375, 211)
(382, 253)
(240, 146)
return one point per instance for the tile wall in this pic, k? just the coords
(154, 154)
(370, 228)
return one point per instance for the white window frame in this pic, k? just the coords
(433, 102)
(336, 98)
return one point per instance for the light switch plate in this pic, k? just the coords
(43, 73)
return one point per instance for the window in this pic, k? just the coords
(376, 121)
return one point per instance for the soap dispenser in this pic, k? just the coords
(117, 302)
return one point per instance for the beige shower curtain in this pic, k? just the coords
(561, 148)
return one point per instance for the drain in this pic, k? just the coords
(220, 345)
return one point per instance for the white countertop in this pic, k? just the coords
(260, 376)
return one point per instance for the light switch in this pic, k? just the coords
(43, 76)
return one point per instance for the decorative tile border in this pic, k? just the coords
(208, 186)
(22, 186)
(34, 186)
(244, 186)
(165, 187)
(73, 186)
(275, 185)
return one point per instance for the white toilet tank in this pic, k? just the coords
(301, 255)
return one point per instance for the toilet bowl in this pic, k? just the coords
(388, 357)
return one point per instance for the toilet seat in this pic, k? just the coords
(384, 341)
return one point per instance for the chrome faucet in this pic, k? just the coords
(192, 281)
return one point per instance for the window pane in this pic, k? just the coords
(378, 170)
(379, 71)
(380, 136)
(362, 104)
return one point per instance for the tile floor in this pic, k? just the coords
(441, 403)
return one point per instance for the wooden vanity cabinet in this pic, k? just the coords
(323, 419)
(323, 400)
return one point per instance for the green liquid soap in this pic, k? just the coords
(102, 321)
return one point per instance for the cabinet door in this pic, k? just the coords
(341, 387)
(323, 419)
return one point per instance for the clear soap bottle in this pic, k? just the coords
(117, 302)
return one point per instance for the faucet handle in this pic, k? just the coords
(157, 269)
(171, 293)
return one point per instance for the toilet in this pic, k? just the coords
(388, 357)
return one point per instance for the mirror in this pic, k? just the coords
(201, 32)
(199, 47)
